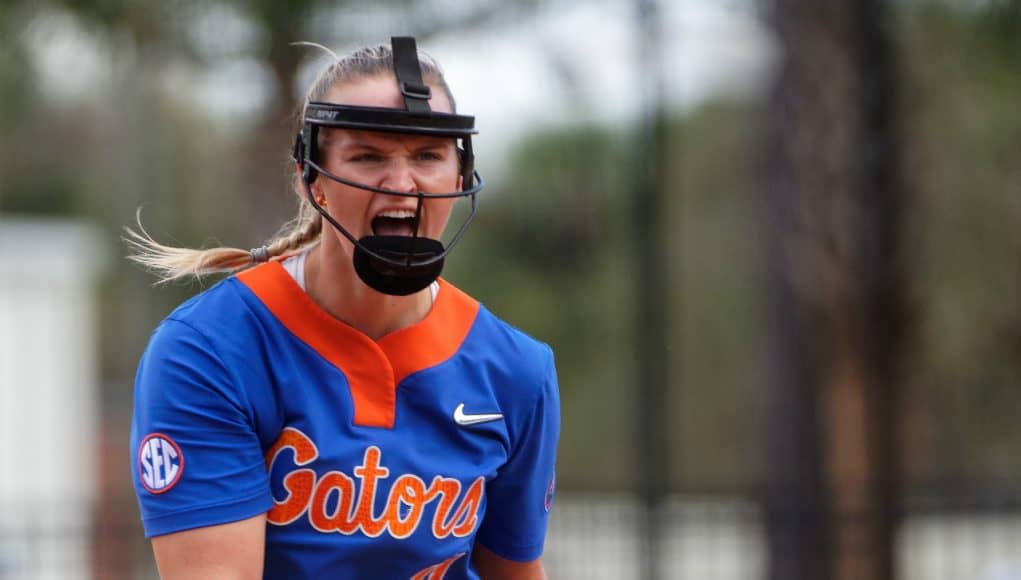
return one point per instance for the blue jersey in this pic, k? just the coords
(383, 458)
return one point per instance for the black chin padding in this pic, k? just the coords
(403, 279)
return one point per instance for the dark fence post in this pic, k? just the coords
(652, 313)
(883, 274)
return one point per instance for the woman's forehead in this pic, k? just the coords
(381, 139)
(380, 91)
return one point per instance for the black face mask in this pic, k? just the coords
(395, 265)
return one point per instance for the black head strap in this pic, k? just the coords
(409, 75)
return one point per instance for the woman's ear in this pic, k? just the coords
(317, 193)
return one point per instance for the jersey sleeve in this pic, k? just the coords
(196, 458)
(520, 497)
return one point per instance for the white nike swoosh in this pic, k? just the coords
(463, 419)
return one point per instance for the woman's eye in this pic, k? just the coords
(366, 158)
(429, 156)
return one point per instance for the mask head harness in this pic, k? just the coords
(395, 265)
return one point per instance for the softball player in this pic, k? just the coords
(338, 410)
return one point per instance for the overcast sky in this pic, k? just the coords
(709, 46)
(502, 76)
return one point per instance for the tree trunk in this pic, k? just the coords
(831, 215)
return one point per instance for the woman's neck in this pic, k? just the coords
(331, 281)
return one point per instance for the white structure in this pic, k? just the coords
(595, 537)
(48, 397)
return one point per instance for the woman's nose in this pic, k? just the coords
(399, 177)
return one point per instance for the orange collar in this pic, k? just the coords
(373, 368)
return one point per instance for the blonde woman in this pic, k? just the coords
(335, 409)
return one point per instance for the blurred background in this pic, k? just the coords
(775, 245)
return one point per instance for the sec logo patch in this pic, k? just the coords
(160, 463)
(550, 491)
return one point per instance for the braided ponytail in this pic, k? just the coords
(303, 231)
(170, 263)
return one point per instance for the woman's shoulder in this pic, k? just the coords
(521, 368)
(212, 313)
(523, 355)
(503, 331)
(221, 295)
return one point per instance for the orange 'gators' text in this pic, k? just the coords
(309, 496)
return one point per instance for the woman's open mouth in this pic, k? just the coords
(399, 222)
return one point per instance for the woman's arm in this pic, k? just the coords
(521, 495)
(493, 567)
(233, 551)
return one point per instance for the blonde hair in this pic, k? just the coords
(171, 263)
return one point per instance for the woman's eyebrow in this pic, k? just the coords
(431, 145)
(356, 143)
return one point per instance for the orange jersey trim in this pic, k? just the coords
(373, 368)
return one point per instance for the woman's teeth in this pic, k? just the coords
(394, 223)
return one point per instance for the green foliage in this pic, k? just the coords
(965, 164)
(13, 81)
(714, 269)
(33, 194)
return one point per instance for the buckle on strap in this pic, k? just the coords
(414, 90)
(409, 75)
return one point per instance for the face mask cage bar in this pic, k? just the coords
(320, 114)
